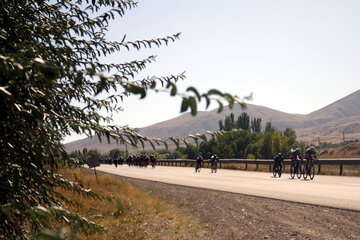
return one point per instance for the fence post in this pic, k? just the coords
(341, 169)
(246, 166)
(319, 169)
(257, 166)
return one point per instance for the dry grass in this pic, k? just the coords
(351, 150)
(136, 216)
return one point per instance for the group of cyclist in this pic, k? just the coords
(214, 160)
(141, 160)
(296, 158)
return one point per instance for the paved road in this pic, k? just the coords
(333, 191)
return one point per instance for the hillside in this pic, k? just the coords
(327, 123)
(351, 150)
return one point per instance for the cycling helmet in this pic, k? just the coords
(312, 147)
(279, 154)
(297, 149)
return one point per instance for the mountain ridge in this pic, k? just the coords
(327, 123)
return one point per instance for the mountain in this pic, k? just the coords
(327, 123)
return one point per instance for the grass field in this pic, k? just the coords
(136, 216)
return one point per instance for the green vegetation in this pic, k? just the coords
(242, 138)
(52, 83)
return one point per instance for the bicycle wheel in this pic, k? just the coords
(292, 172)
(274, 172)
(305, 172)
(312, 172)
(298, 172)
(279, 172)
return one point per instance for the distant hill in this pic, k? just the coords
(327, 123)
(351, 150)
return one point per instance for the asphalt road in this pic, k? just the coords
(332, 191)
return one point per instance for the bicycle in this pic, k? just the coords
(309, 170)
(277, 170)
(197, 167)
(296, 169)
(153, 161)
(213, 167)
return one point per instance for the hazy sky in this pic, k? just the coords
(295, 56)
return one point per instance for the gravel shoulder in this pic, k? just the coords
(235, 216)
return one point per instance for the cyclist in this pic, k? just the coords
(310, 154)
(214, 160)
(199, 161)
(295, 156)
(116, 162)
(279, 160)
(153, 160)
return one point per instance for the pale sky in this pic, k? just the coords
(295, 56)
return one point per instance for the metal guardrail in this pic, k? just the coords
(269, 162)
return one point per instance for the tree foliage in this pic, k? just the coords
(51, 80)
(256, 124)
(243, 121)
(233, 141)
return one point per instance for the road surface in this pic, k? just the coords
(332, 191)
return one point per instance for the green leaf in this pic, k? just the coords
(166, 145)
(3, 89)
(176, 141)
(215, 92)
(192, 89)
(221, 106)
(173, 90)
(184, 105)
(207, 100)
(202, 136)
(136, 90)
(193, 105)
(230, 100)
(186, 143)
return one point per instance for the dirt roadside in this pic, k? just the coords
(234, 216)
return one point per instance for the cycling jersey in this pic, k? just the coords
(295, 155)
(310, 153)
(279, 158)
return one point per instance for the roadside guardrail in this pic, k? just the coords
(269, 162)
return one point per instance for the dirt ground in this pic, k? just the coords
(227, 215)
